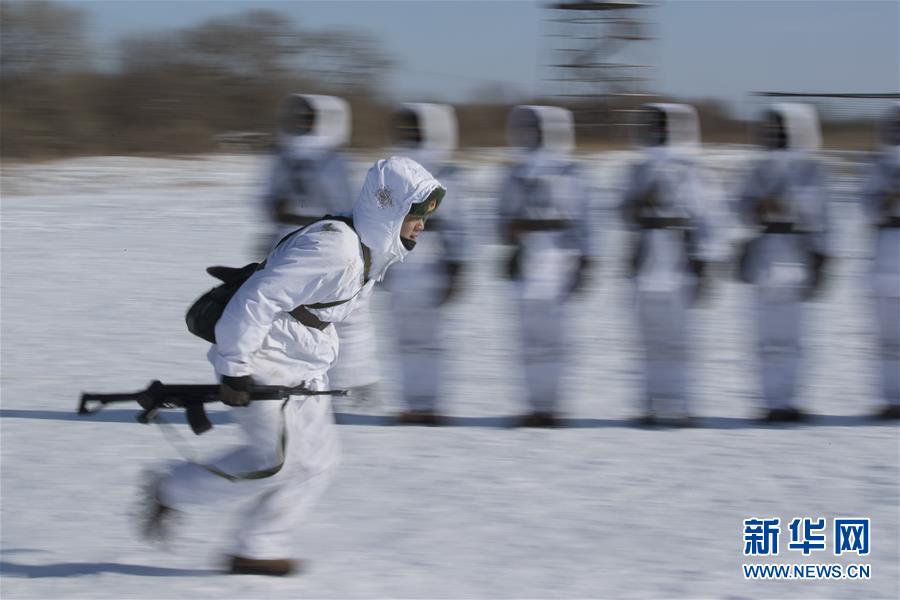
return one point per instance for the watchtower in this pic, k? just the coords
(598, 62)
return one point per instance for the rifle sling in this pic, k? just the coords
(262, 473)
(302, 313)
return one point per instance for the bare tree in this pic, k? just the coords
(346, 60)
(41, 38)
(257, 43)
(44, 75)
(171, 90)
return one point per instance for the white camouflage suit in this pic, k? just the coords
(311, 179)
(256, 336)
(881, 197)
(544, 201)
(668, 201)
(784, 195)
(421, 284)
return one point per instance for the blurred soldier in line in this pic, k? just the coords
(881, 195)
(310, 179)
(666, 201)
(785, 198)
(544, 215)
(430, 277)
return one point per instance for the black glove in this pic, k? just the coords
(580, 278)
(235, 391)
(636, 257)
(816, 274)
(513, 264)
(742, 271)
(453, 270)
(698, 269)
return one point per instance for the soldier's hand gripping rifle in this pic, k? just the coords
(191, 397)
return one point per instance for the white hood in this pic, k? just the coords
(391, 187)
(555, 124)
(890, 119)
(801, 124)
(437, 127)
(682, 124)
(330, 131)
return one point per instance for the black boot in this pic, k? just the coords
(277, 567)
(794, 415)
(419, 417)
(775, 415)
(890, 412)
(157, 519)
(648, 419)
(539, 419)
(784, 415)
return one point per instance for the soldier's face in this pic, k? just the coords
(892, 131)
(299, 118)
(407, 136)
(773, 135)
(526, 131)
(654, 128)
(412, 226)
(406, 129)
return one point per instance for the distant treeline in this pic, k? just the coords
(170, 91)
(176, 91)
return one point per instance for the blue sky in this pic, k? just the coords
(721, 49)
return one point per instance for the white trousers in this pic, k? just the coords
(304, 427)
(781, 274)
(888, 310)
(886, 275)
(544, 351)
(417, 327)
(779, 325)
(663, 320)
(663, 311)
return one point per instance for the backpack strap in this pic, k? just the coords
(364, 250)
(205, 312)
(302, 313)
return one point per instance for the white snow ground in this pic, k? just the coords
(100, 258)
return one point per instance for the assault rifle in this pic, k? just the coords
(190, 397)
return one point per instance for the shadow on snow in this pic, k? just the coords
(496, 422)
(11, 569)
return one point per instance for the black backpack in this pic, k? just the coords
(205, 312)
